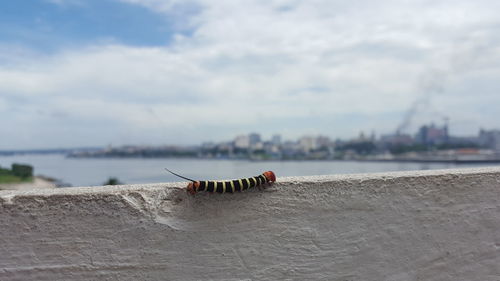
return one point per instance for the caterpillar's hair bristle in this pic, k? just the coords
(179, 175)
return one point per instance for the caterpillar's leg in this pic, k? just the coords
(191, 188)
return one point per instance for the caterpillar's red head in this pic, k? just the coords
(193, 187)
(270, 176)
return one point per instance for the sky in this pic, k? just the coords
(77, 73)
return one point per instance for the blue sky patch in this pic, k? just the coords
(47, 26)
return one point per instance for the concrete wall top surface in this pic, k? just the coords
(419, 225)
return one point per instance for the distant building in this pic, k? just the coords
(276, 140)
(490, 139)
(254, 138)
(258, 146)
(432, 135)
(323, 141)
(396, 140)
(290, 149)
(361, 137)
(242, 141)
(472, 141)
(308, 143)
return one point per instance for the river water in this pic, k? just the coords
(95, 171)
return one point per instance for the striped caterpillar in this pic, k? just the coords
(229, 186)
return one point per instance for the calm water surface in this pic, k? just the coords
(90, 171)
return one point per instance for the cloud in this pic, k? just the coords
(300, 66)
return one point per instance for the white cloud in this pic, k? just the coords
(250, 63)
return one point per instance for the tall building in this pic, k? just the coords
(254, 138)
(432, 135)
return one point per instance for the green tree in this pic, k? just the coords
(113, 181)
(22, 171)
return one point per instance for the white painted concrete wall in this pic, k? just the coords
(433, 225)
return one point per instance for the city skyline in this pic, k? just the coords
(430, 144)
(427, 134)
(89, 73)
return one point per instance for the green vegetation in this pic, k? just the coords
(113, 181)
(18, 173)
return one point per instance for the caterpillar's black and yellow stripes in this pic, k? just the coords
(229, 186)
(232, 185)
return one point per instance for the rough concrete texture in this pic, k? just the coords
(432, 225)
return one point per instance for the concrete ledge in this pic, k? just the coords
(425, 225)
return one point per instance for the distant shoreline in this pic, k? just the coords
(394, 160)
(402, 160)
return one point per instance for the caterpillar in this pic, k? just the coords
(229, 186)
